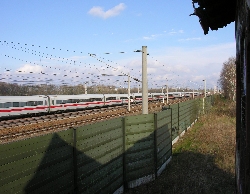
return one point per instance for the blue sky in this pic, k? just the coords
(56, 37)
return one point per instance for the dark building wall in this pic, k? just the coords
(242, 35)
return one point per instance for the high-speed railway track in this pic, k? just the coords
(22, 128)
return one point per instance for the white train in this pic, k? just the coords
(22, 105)
(191, 94)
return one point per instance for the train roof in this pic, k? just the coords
(116, 95)
(80, 96)
(20, 98)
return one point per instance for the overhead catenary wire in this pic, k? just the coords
(61, 70)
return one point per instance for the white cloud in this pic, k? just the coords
(147, 37)
(181, 65)
(154, 36)
(27, 68)
(99, 12)
(151, 36)
(189, 39)
(173, 32)
(198, 63)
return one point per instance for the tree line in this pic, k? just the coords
(10, 89)
(228, 78)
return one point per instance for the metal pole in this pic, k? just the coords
(163, 98)
(203, 104)
(163, 94)
(205, 90)
(167, 94)
(144, 81)
(204, 96)
(128, 92)
(85, 87)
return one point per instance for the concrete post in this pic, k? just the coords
(85, 87)
(144, 81)
(128, 92)
(167, 94)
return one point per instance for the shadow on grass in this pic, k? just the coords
(190, 172)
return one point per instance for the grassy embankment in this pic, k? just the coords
(203, 159)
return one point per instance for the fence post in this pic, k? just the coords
(178, 118)
(125, 182)
(171, 131)
(155, 144)
(75, 161)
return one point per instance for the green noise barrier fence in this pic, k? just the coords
(105, 157)
(184, 114)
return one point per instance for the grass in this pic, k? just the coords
(203, 159)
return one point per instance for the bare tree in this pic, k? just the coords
(228, 78)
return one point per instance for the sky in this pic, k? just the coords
(75, 42)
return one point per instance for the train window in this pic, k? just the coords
(22, 104)
(1, 105)
(95, 99)
(125, 97)
(7, 104)
(69, 101)
(39, 103)
(31, 103)
(84, 100)
(15, 104)
(73, 100)
(111, 98)
(58, 101)
(53, 102)
(45, 102)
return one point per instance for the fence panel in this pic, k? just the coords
(35, 165)
(208, 103)
(175, 120)
(184, 115)
(163, 139)
(195, 110)
(139, 147)
(100, 156)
